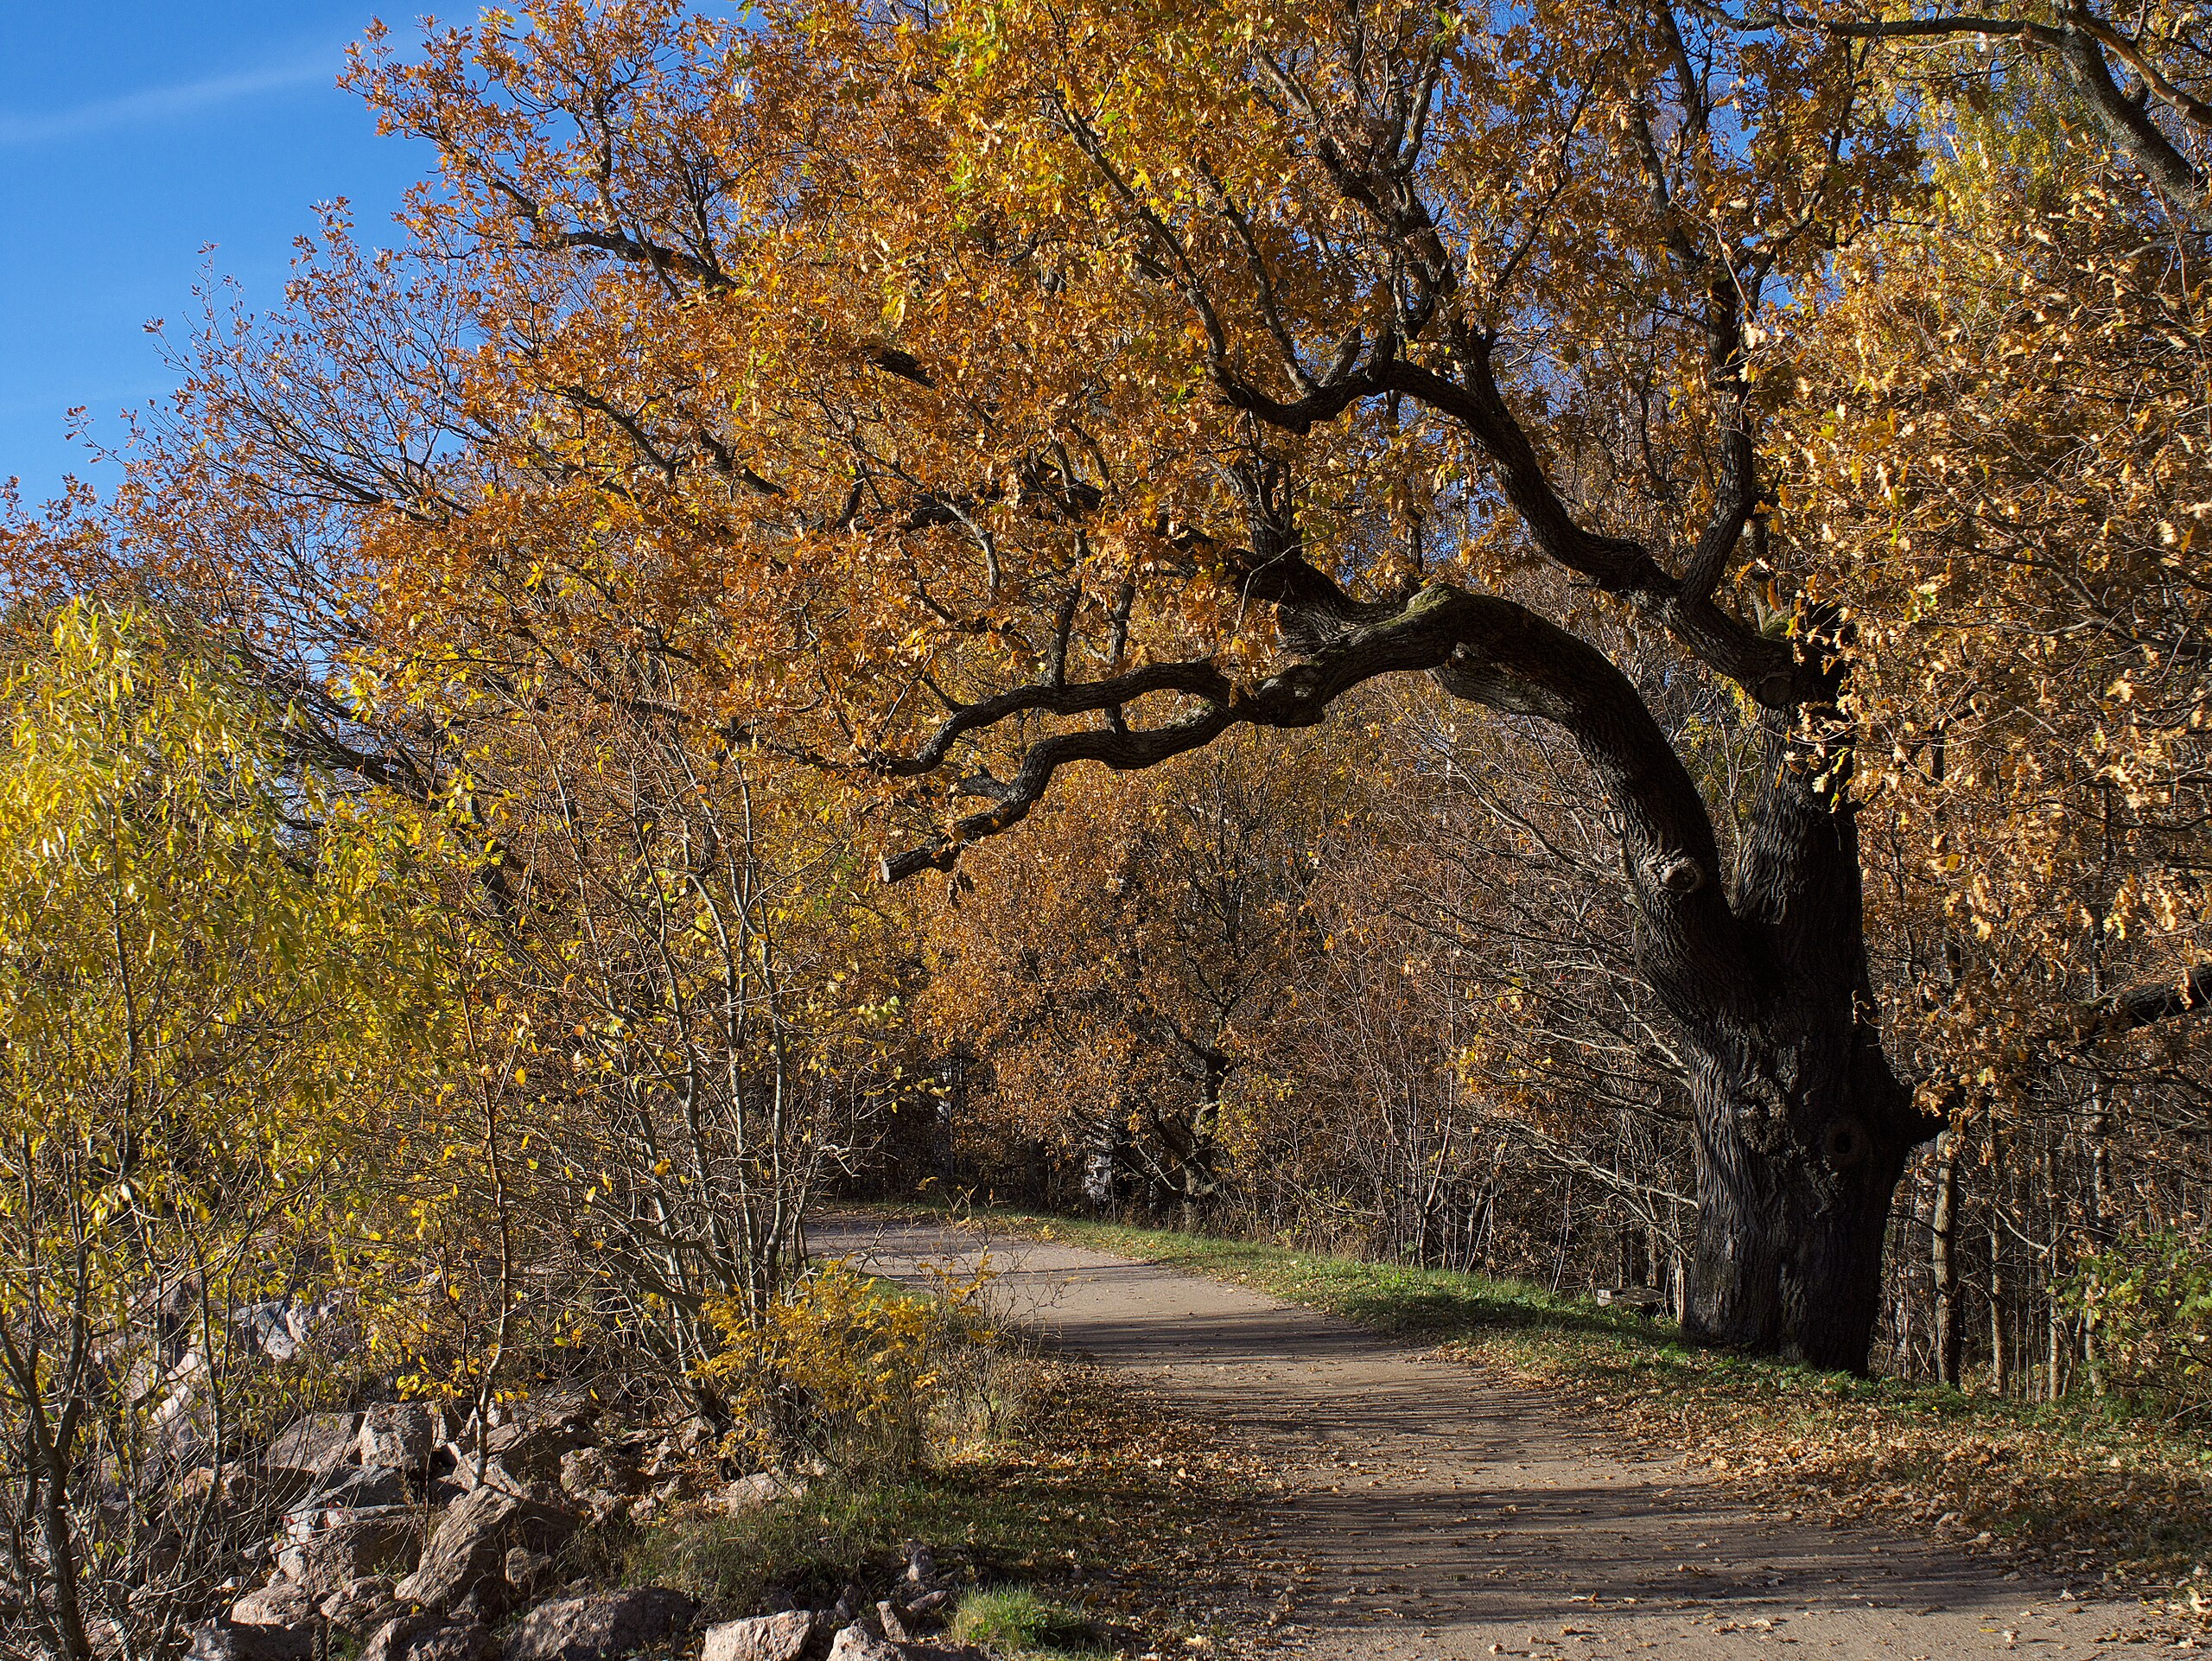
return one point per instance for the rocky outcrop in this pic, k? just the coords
(428, 1637)
(361, 1605)
(398, 1436)
(229, 1641)
(601, 1627)
(602, 1479)
(856, 1643)
(280, 1603)
(331, 1556)
(761, 1638)
(753, 1492)
(467, 1550)
(318, 1447)
(356, 1488)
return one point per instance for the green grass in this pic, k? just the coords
(1073, 1473)
(2101, 1495)
(1431, 1304)
(1015, 1618)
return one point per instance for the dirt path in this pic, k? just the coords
(1443, 1516)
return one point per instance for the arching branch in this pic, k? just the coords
(1480, 647)
(2148, 1003)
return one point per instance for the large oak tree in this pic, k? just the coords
(953, 396)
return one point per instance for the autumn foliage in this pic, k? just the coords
(1565, 638)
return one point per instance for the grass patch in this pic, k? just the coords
(1081, 1472)
(1018, 1619)
(2077, 1483)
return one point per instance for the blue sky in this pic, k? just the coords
(132, 134)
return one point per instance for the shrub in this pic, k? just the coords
(842, 1365)
(2146, 1302)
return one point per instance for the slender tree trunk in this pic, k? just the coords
(2001, 1353)
(1944, 1261)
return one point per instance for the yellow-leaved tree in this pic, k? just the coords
(214, 970)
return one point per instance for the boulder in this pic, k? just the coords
(568, 1410)
(280, 1327)
(361, 1605)
(330, 1558)
(227, 1640)
(524, 1571)
(856, 1643)
(280, 1603)
(428, 1637)
(398, 1435)
(318, 1445)
(469, 1545)
(751, 1493)
(761, 1638)
(601, 1626)
(519, 1456)
(602, 1479)
(356, 1488)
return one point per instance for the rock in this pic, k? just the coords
(525, 1569)
(761, 1638)
(398, 1435)
(470, 1641)
(320, 1445)
(329, 1558)
(751, 1493)
(568, 1411)
(483, 1603)
(226, 1640)
(470, 1543)
(601, 1626)
(599, 1478)
(921, 1564)
(357, 1489)
(519, 1456)
(428, 1637)
(280, 1603)
(856, 1643)
(670, 1491)
(887, 1617)
(361, 1604)
(281, 1328)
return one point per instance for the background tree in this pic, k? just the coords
(1118, 970)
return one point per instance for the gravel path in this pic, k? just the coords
(1440, 1515)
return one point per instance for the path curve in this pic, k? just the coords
(1446, 1516)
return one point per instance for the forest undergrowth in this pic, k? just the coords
(2124, 1503)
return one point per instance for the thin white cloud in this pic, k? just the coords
(165, 103)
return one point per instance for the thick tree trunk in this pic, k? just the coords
(1803, 1129)
(1794, 1193)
